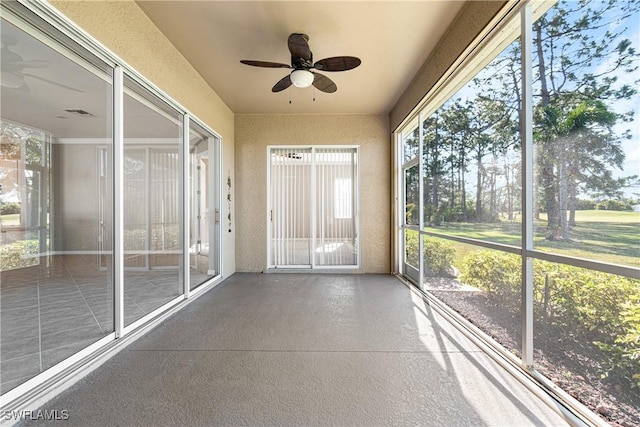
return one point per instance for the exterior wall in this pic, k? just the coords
(123, 28)
(473, 18)
(255, 132)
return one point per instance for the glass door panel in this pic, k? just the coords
(204, 230)
(291, 179)
(152, 203)
(56, 291)
(313, 207)
(336, 207)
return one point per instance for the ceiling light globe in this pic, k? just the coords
(302, 78)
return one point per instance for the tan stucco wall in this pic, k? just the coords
(124, 29)
(255, 132)
(467, 26)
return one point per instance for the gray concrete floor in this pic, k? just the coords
(295, 349)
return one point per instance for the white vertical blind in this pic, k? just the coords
(313, 204)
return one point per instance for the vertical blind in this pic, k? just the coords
(313, 207)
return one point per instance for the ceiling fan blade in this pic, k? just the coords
(324, 83)
(264, 64)
(299, 46)
(338, 63)
(52, 82)
(282, 84)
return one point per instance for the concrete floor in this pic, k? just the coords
(295, 349)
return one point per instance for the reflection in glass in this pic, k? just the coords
(152, 203)
(56, 277)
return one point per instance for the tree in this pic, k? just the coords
(578, 56)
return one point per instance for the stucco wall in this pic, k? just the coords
(124, 29)
(255, 132)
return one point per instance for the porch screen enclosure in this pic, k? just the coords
(313, 207)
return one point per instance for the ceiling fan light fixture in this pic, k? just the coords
(302, 78)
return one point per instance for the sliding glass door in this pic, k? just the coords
(204, 206)
(313, 207)
(152, 202)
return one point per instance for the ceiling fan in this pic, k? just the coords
(12, 68)
(305, 71)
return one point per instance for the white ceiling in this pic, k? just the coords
(392, 38)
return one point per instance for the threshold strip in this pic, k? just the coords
(307, 351)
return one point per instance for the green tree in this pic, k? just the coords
(577, 58)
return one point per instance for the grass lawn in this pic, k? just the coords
(608, 236)
(10, 219)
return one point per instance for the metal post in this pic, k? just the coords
(526, 130)
(420, 205)
(184, 224)
(118, 199)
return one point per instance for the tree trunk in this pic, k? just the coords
(492, 197)
(573, 201)
(562, 193)
(545, 156)
(507, 175)
(463, 192)
(479, 190)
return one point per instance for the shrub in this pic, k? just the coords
(20, 254)
(614, 205)
(585, 205)
(498, 273)
(411, 247)
(438, 254)
(9, 208)
(600, 308)
(624, 352)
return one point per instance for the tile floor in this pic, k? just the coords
(50, 311)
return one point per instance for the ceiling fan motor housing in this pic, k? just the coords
(302, 64)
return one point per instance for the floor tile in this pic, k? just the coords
(67, 322)
(20, 367)
(71, 336)
(19, 348)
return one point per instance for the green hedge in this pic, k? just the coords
(438, 254)
(9, 208)
(19, 254)
(604, 307)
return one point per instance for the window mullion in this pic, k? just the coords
(526, 124)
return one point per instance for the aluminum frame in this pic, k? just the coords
(31, 16)
(526, 11)
(312, 266)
